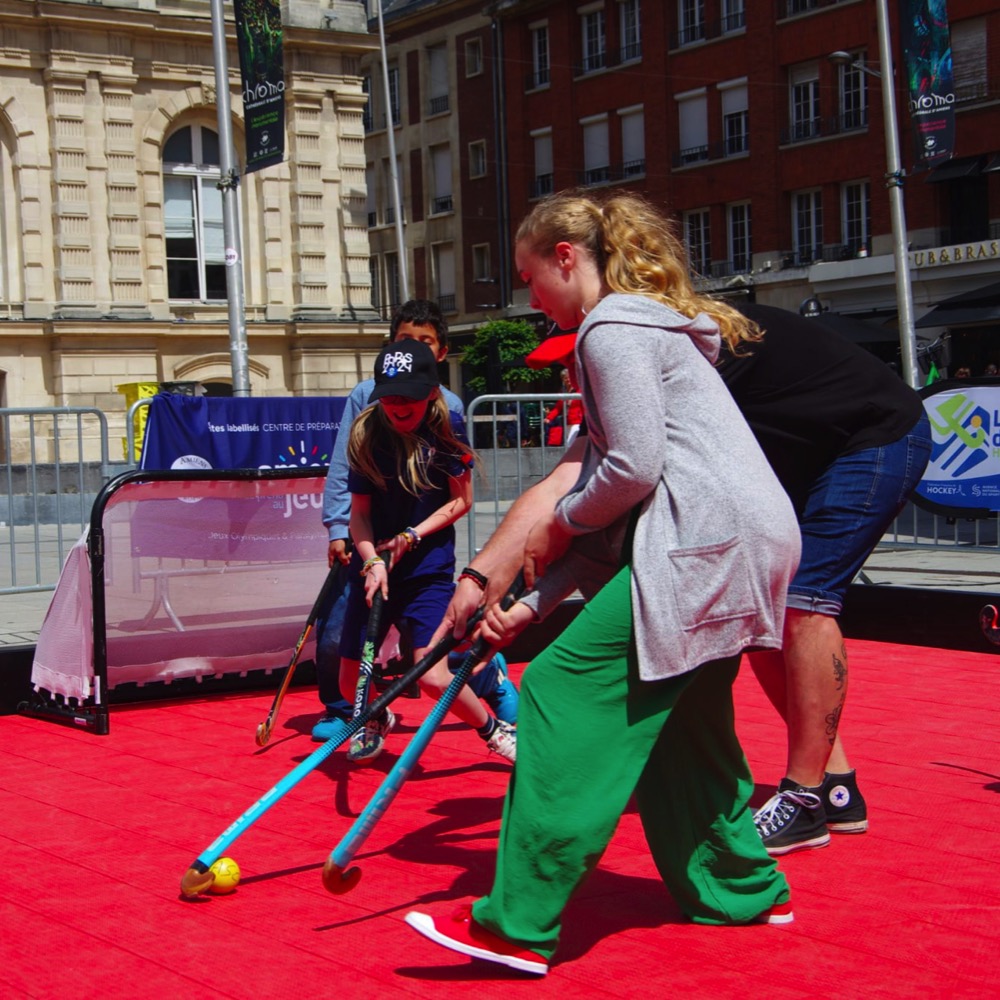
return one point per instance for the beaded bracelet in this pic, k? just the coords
(473, 574)
(368, 563)
(412, 537)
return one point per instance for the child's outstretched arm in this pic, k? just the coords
(373, 567)
(458, 506)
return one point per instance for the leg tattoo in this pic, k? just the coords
(840, 676)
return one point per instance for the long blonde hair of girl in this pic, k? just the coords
(636, 249)
(372, 432)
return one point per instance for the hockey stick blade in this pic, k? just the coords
(989, 624)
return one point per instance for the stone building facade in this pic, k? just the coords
(111, 248)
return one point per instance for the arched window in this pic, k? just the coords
(192, 208)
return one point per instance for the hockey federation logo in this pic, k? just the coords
(396, 363)
(961, 435)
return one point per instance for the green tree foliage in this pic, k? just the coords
(503, 343)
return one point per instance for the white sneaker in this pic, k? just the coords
(369, 743)
(504, 741)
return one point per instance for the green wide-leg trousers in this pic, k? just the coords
(590, 733)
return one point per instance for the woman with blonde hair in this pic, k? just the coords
(681, 532)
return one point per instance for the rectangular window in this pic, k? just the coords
(596, 159)
(389, 209)
(968, 50)
(437, 79)
(804, 102)
(739, 237)
(696, 235)
(691, 19)
(857, 210)
(593, 41)
(693, 119)
(477, 158)
(473, 57)
(371, 203)
(441, 200)
(367, 116)
(808, 222)
(630, 30)
(735, 119)
(542, 184)
(376, 284)
(443, 257)
(481, 270)
(633, 142)
(539, 56)
(394, 94)
(853, 96)
(393, 285)
(733, 16)
(196, 259)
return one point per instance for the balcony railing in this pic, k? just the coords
(537, 78)
(595, 176)
(542, 185)
(447, 303)
(372, 219)
(818, 128)
(442, 204)
(737, 145)
(789, 8)
(728, 268)
(591, 64)
(438, 105)
(707, 30)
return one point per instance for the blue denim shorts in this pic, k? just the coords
(848, 511)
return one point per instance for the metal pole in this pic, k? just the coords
(894, 183)
(500, 139)
(230, 219)
(393, 173)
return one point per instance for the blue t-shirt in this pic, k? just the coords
(395, 508)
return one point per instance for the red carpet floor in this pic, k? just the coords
(96, 832)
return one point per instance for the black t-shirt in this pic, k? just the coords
(810, 396)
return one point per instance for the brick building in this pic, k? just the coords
(771, 156)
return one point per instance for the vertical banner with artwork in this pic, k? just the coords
(262, 73)
(927, 55)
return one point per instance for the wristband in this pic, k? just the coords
(369, 563)
(412, 537)
(473, 574)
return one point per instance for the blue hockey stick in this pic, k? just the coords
(339, 879)
(198, 879)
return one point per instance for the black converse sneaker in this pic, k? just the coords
(792, 819)
(844, 805)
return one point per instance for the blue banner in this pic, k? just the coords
(964, 469)
(213, 432)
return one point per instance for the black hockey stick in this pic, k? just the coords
(263, 733)
(337, 877)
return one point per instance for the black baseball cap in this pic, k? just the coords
(405, 368)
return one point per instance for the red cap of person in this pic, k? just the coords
(552, 350)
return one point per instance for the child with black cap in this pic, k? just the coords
(410, 480)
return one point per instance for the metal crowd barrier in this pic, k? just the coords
(54, 461)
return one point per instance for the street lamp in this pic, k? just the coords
(894, 182)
